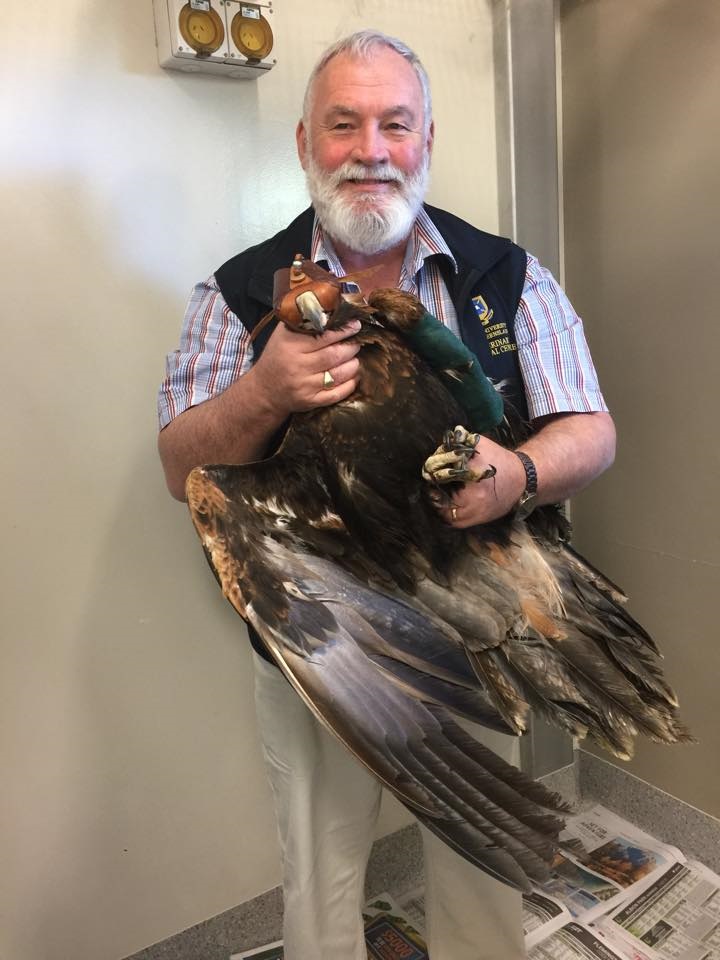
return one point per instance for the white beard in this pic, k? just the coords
(368, 222)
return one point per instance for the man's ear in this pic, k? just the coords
(301, 141)
(430, 137)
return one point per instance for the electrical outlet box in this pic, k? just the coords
(197, 36)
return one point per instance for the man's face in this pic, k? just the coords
(365, 150)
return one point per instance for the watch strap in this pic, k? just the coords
(530, 472)
(526, 503)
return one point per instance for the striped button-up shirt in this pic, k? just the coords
(555, 363)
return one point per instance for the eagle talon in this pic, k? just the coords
(460, 439)
(449, 463)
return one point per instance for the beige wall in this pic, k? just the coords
(133, 801)
(642, 211)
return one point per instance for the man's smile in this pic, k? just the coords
(374, 184)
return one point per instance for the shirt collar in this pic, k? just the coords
(425, 241)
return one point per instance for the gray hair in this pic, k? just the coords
(362, 44)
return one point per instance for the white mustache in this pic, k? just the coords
(358, 171)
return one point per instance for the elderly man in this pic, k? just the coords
(365, 142)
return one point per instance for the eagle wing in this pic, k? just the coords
(378, 668)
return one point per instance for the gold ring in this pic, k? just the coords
(328, 380)
(453, 513)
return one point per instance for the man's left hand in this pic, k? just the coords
(486, 500)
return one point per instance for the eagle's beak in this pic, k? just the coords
(311, 311)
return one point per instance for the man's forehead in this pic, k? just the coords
(347, 75)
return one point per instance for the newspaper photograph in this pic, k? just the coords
(389, 933)
(618, 857)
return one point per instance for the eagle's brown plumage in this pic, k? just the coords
(387, 621)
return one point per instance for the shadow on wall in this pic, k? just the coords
(129, 681)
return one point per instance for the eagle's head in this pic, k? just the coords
(311, 300)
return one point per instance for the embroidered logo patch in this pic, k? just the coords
(484, 312)
(497, 334)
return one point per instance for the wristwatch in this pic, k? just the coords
(526, 503)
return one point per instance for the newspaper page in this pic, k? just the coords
(542, 915)
(618, 858)
(389, 935)
(575, 941)
(271, 951)
(412, 904)
(618, 864)
(676, 916)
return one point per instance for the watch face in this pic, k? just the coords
(253, 37)
(525, 506)
(201, 29)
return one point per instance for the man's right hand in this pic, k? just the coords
(237, 424)
(289, 375)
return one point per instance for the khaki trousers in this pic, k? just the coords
(327, 805)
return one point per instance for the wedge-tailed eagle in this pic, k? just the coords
(389, 623)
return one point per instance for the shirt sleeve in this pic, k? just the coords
(214, 351)
(555, 361)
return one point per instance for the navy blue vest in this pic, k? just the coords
(485, 291)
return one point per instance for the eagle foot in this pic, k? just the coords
(449, 463)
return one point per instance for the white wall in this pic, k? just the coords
(642, 182)
(133, 802)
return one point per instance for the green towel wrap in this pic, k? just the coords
(460, 371)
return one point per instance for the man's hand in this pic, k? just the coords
(568, 450)
(489, 499)
(237, 424)
(290, 374)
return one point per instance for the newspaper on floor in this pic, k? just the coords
(617, 860)
(412, 904)
(271, 951)
(538, 911)
(675, 916)
(541, 916)
(627, 896)
(580, 941)
(389, 934)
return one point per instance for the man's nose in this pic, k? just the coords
(370, 146)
